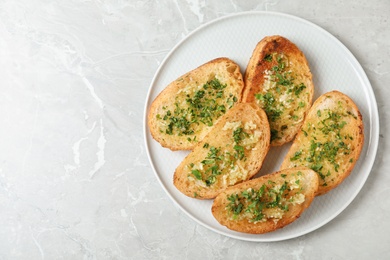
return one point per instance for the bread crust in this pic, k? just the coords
(330, 141)
(303, 183)
(233, 160)
(282, 79)
(176, 117)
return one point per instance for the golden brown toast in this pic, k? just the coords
(279, 80)
(330, 140)
(232, 152)
(267, 203)
(186, 110)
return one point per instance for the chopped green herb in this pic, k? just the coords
(268, 101)
(296, 156)
(274, 134)
(204, 106)
(254, 201)
(239, 152)
(298, 89)
(211, 180)
(216, 159)
(268, 57)
(316, 167)
(235, 205)
(197, 174)
(239, 134)
(350, 113)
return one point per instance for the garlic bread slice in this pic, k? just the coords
(330, 140)
(267, 203)
(279, 80)
(186, 110)
(232, 152)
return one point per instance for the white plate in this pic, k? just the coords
(333, 67)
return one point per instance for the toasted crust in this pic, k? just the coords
(184, 112)
(232, 152)
(277, 70)
(330, 140)
(301, 185)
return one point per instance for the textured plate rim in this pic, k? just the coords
(373, 140)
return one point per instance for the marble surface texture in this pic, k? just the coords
(75, 180)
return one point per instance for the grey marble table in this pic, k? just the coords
(75, 180)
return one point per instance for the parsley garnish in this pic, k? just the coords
(268, 57)
(197, 174)
(298, 89)
(203, 107)
(269, 103)
(274, 134)
(296, 156)
(239, 134)
(320, 152)
(254, 201)
(212, 163)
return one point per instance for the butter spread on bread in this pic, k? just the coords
(232, 152)
(186, 110)
(267, 203)
(330, 140)
(279, 80)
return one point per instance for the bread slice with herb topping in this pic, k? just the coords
(279, 80)
(232, 152)
(330, 140)
(267, 203)
(186, 110)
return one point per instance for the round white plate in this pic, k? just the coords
(333, 67)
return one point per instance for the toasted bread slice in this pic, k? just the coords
(185, 111)
(232, 152)
(267, 203)
(330, 140)
(279, 80)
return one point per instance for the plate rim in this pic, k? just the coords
(373, 114)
